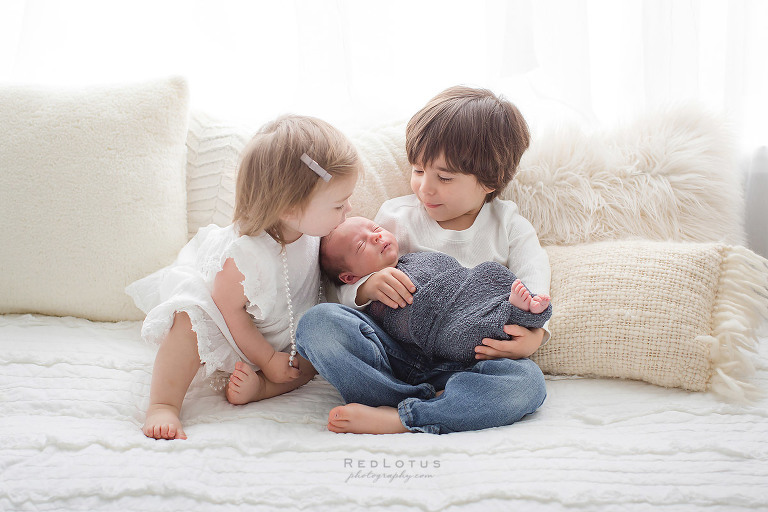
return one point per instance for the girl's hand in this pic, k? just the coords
(524, 343)
(277, 369)
(390, 286)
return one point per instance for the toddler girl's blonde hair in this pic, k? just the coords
(272, 179)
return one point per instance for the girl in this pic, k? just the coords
(235, 293)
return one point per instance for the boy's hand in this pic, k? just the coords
(277, 369)
(524, 342)
(390, 286)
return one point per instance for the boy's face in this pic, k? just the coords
(448, 197)
(364, 246)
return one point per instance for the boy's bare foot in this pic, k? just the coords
(163, 423)
(245, 385)
(361, 419)
(521, 298)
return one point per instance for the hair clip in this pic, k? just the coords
(316, 168)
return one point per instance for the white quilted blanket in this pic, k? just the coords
(73, 394)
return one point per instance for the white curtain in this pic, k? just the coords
(358, 62)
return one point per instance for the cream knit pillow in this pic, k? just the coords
(92, 195)
(673, 314)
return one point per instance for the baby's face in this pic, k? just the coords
(365, 246)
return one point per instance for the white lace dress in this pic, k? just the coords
(186, 285)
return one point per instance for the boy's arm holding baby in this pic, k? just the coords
(391, 286)
(524, 343)
(530, 264)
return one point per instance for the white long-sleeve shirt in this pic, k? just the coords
(499, 233)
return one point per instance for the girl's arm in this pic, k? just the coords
(229, 296)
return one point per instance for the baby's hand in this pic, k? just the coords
(390, 286)
(277, 369)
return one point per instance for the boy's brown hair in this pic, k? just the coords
(478, 132)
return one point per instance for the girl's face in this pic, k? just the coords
(327, 209)
(452, 199)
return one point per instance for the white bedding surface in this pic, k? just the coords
(73, 394)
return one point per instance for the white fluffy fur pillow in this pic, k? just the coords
(92, 195)
(673, 314)
(670, 175)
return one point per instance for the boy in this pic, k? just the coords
(453, 307)
(464, 145)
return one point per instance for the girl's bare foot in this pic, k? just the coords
(361, 419)
(521, 298)
(245, 385)
(163, 423)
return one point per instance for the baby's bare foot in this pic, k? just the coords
(163, 423)
(361, 419)
(539, 303)
(522, 299)
(245, 385)
(519, 296)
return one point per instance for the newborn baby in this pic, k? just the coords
(453, 308)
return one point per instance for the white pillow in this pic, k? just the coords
(92, 195)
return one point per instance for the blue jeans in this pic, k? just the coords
(367, 366)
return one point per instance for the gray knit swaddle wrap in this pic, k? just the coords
(454, 307)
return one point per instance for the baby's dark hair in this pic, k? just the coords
(478, 132)
(331, 266)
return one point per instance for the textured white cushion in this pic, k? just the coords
(213, 156)
(92, 195)
(674, 314)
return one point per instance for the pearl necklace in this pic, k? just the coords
(291, 320)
